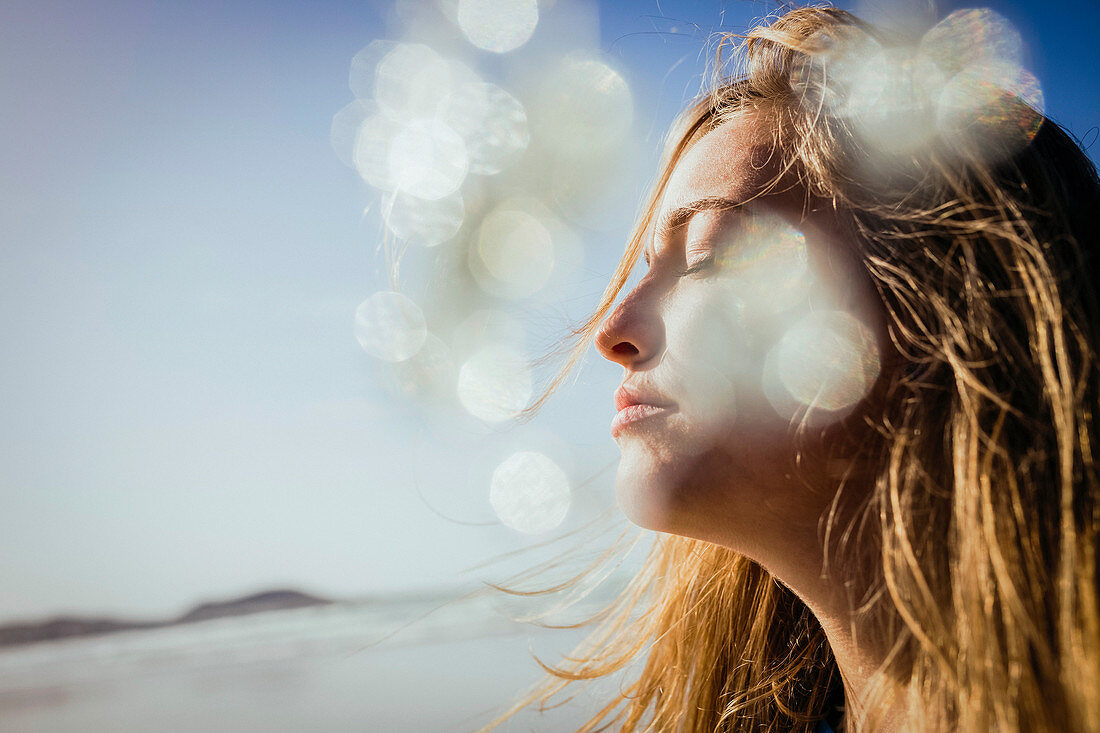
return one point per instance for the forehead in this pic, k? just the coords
(731, 161)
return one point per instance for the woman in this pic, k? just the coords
(859, 383)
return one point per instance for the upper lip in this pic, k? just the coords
(627, 395)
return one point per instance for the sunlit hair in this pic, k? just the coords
(984, 506)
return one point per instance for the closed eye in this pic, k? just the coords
(707, 263)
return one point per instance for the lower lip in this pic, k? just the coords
(633, 414)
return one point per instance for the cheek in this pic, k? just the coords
(714, 359)
(725, 493)
(671, 493)
(667, 474)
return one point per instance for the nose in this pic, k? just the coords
(633, 335)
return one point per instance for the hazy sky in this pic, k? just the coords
(185, 411)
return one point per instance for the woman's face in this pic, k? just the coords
(754, 316)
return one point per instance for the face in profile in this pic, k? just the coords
(752, 322)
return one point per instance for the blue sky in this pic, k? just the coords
(186, 413)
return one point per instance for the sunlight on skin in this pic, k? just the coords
(774, 333)
(704, 452)
(765, 262)
(722, 291)
(828, 361)
(755, 312)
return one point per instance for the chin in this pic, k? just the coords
(654, 491)
(714, 495)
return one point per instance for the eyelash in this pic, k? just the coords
(701, 266)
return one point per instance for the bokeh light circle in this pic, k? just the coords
(991, 104)
(584, 107)
(514, 253)
(530, 493)
(487, 326)
(972, 36)
(964, 81)
(768, 259)
(891, 99)
(429, 374)
(364, 67)
(828, 360)
(344, 130)
(390, 326)
(491, 121)
(371, 154)
(494, 384)
(427, 223)
(498, 25)
(427, 159)
(412, 79)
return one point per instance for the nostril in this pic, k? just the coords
(625, 348)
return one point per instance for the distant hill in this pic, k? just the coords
(62, 627)
(272, 600)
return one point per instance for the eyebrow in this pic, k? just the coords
(673, 219)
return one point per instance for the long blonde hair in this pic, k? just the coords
(984, 508)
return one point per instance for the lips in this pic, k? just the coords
(635, 405)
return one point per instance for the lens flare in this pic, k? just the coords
(364, 65)
(584, 107)
(345, 128)
(372, 150)
(514, 254)
(767, 259)
(427, 223)
(827, 361)
(427, 159)
(390, 326)
(996, 106)
(963, 83)
(886, 93)
(484, 327)
(429, 374)
(890, 99)
(492, 122)
(412, 79)
(498, 25)
(494, 384)
(530, 493)
(990, 101)
(972, 36)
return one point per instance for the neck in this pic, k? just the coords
(833, 597)
(856, 660)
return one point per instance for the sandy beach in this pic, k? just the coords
(349, 667)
